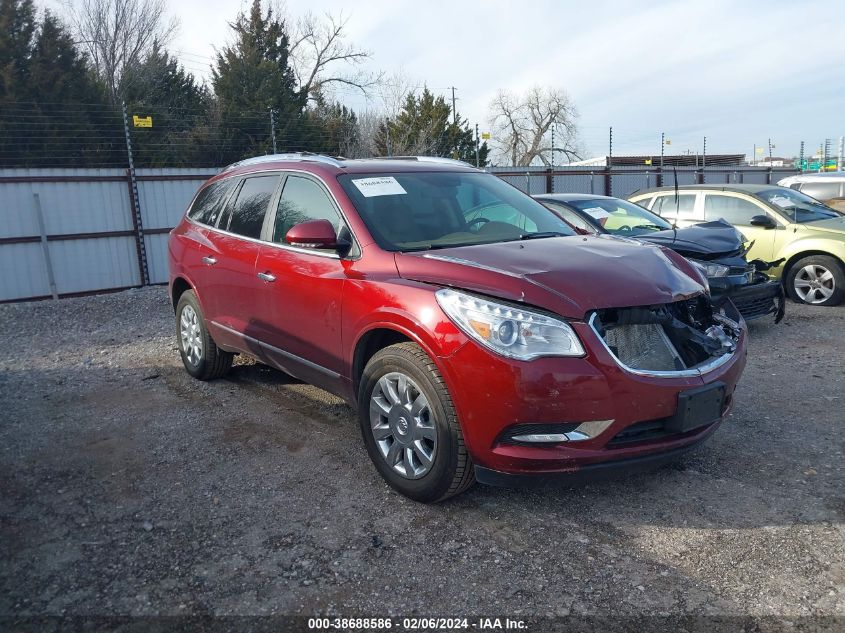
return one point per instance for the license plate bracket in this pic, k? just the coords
(697, 407)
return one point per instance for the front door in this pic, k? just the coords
(299, 315)
(738, 210)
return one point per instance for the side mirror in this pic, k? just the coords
(314, 234)
(764, 221)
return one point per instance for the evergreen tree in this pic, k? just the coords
(160, 88)
(426, 126)
(252, 76)
(17, 32)
(56, 109)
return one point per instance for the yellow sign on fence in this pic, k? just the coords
(485, 136)
(138, 121)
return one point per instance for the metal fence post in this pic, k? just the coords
(137, 220)
(550, 180)
(45, 250)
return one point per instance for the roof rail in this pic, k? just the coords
(427, 159)
(268, 158)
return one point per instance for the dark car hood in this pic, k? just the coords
(712, 239)
(568, 275)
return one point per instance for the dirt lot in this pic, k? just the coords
(129, 488)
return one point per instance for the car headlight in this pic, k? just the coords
(710, 269)
(507, 330)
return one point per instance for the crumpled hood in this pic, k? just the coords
(708, 238)
(567, 275)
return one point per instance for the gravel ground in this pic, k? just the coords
(129, 488)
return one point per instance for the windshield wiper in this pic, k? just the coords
(538, 235)
(434, 247)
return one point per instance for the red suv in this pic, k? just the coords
(478, 337)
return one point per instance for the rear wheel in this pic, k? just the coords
(817, 280)
(200, 355)
(410, 427)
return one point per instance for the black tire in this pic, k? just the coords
(451, 471)
(819, 262)
(212, 362)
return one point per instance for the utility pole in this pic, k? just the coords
(454, 110)
(136, 205)
(826, 153)
(662, 144)
(770, 152)
(704, 154)
(610, 162)
(754, 154)
(839, 164)
(801, 157)
(477, 161)
(273, 129)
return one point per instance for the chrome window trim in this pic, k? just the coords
(281, 352)
(287, 247)
(693, 372)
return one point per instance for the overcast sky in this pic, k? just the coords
(738, 72)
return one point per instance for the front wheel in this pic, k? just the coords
(817, 280)
(410, 427)
(200, 355)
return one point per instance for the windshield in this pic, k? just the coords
(797, 206)
(428, 210)
(619, 217)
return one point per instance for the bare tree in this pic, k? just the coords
(522, 125)
(322, 58)
(118, 34)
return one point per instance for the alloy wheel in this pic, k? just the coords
(403, 425)
(814, 284)
(191, 335)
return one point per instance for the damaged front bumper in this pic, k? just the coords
(757, 300)
(687, 338)
(753, 293)
(561, 416)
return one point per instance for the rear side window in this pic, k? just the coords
(821, 190)
(666, 205)
(209, 202)
(302, 200)
(734, 210)
(251, 204)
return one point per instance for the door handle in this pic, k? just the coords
(209, 260)
(267, 276)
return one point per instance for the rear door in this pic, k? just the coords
(199, 252)
(232, 287)
(298, 311)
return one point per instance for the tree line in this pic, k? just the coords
(65, 83)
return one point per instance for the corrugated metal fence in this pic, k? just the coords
(74, 231)
(65, 232)
(623, 181)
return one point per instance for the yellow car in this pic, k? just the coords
(782, 224)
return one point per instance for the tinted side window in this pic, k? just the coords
(209, 202)
(302, 200)
(666, 205)
(821, 190)
(734, 210)
(251, 204)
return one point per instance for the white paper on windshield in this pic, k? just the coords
(597, 213)
(781, 201)
(382, 186)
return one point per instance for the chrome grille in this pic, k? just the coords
(643, 346)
